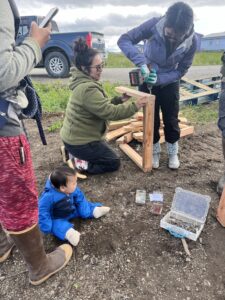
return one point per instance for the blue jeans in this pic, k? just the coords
(100, 157)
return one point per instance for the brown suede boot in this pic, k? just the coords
(221, 182)
(6, 245)
(40, 265)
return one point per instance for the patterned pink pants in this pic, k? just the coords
(18, 194)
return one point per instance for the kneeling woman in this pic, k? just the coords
(89, 110)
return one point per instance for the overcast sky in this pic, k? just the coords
(117, 16)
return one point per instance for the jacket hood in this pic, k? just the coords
(186, 43)
(79, 77)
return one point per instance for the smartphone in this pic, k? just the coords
(49, 17)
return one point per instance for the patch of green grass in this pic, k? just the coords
(55, 126)
(54, 97)
(118, 60)
(207, 58)
(201, 114)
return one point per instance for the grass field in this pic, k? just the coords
(118, 60)
(55, 97)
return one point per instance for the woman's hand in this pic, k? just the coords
(125, 97)
(141, 102)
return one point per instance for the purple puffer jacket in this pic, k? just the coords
(169, 69)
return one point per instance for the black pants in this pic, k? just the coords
(167, 99)
(100, 157)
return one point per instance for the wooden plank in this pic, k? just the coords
(128, 137)
(131, 92)
(120, 140)
(198, 84)
(138, 135)
(184, 92)
(220, 214)
(132, 154)
(184, 132)
(137, 123)
(115, 133)
(198, 95)
(182, 119)
(148, 132)
(139, 115)
(117, 124)
(133, 128)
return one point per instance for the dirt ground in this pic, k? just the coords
(126, 255)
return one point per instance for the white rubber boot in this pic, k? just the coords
(156, 155)
(172, 150)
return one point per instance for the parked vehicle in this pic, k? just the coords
(58, 54)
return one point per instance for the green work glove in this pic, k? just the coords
(145, 71)
(152, 77)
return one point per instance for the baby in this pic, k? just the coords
(62, 201)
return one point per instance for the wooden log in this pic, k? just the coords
(116, 133)
(148, 132)
(130, 152)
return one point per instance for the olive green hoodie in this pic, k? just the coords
(89, 109)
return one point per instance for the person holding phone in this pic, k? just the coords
(18, 193)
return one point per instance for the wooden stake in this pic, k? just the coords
(185, 245)
(148, 124)
(130, 152)
(221, 209)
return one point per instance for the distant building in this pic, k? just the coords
(213, 42)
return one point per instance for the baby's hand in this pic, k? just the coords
(100, 211)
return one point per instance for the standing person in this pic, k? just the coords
(170, 45)
(221, 121)
(18, 194)
(88, 112)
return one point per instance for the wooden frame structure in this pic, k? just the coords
(145, 161)
(198, 91)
